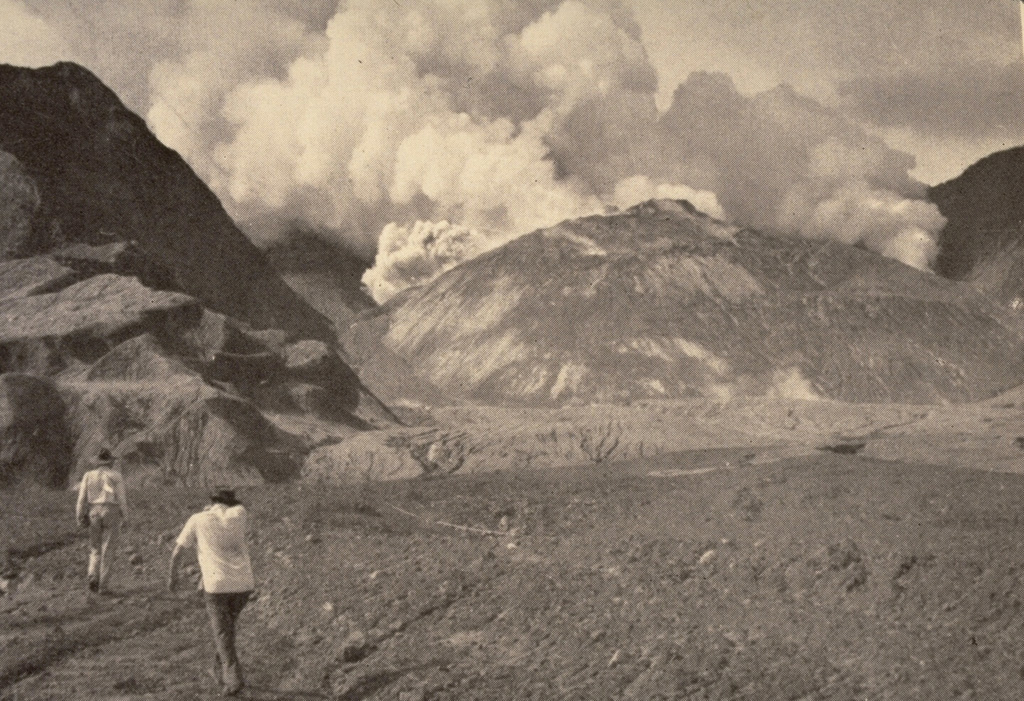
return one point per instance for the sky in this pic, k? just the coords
(423, 132)
(943, 80)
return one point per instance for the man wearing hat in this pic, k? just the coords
(103, 508)
(218, 533)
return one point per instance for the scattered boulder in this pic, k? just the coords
(35, 442)
(846, 562)
(846, 448)
(840, 568)
(748, 506)
(354, 647)
(311, 360)
(218, 333)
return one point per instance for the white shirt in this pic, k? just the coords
(218, 534)
(101, 486)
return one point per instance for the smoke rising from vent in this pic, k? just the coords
(428, 131)
(417, 254)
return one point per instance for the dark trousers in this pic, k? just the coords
(223, 610)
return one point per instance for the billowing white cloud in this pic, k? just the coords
(785, 163)
(369, 118)
(413, 255)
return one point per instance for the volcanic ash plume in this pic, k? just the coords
(500, 117)
(417, 254)
(502, 120)
(880, 219)
(784, 163)
(427, 110)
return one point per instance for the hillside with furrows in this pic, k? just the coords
(662, 301)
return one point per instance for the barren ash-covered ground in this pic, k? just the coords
(699, 575)
(642, 454)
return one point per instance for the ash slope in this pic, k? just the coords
(982, 241)
(103, 177)
(662, 301)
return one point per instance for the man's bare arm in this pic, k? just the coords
(172, 574)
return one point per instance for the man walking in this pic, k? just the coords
(103, 508)
(218, 533)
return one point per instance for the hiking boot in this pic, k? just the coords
(94, 586)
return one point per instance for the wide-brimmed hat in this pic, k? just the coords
(223, 495)
(104, 457)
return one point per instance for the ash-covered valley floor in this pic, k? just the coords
(697, 575)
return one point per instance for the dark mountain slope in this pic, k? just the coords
(102, 230)
(662, 301)
(326, 276)
(985, 209)
(102, 177)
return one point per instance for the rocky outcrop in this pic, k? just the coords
(140, 359)
(47, 333)
(170, 423)
(180, 431)
(34, 433)
(129, 297)
(663, 302)
(184, 395)
(88, 171)
(120, 258)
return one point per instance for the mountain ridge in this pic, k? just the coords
(661, 301)
(982, 240)
(102, 176)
